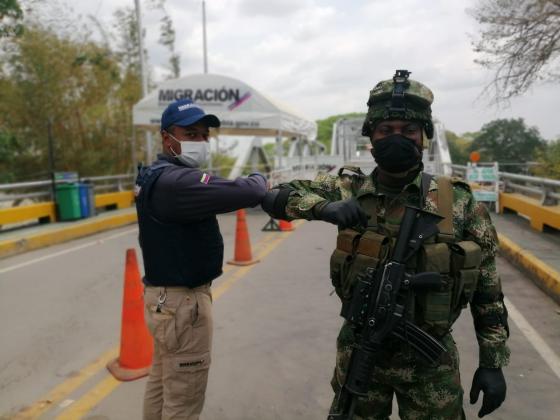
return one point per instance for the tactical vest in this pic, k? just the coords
(458, 261)
(189, 254)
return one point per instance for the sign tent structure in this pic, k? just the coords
(242, 110)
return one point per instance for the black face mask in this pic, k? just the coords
(396, 153)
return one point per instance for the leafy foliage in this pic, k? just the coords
(519, 40)
(167, 38)
(10, 18)
(85, 88)
(77, 85)
(549, 159)
(458, 147)
(222, 164)
(508, 141)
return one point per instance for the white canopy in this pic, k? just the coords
(241, 109)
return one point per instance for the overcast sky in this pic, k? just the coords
(323, 57)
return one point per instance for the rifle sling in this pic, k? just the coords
(445, 206)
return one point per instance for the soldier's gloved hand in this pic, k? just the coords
(491, 381)
(345, 213)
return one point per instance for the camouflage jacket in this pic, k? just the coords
(471, 221)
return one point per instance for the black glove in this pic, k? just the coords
(492, 382)
(345, 213)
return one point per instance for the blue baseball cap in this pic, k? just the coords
(185, 112)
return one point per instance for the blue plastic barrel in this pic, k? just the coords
(87, 200)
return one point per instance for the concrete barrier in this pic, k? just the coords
(66, 232)
(42, 212)
(538, 214)
(541, 273)
(120, 200)
(46, 212)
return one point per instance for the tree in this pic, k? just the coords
(167, 38)
(79, 86)
(520, 40)
(10, 18)
(508, 141)
(222, 164)
(128, 46)
(549, 159)
(12, 157)
(458, 147)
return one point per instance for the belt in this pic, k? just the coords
(180, 288)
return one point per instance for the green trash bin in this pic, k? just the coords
(68, 201)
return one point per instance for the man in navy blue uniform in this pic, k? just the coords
(177, 203)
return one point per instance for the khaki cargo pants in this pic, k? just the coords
(182, 331)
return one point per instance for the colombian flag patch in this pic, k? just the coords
(205, 178)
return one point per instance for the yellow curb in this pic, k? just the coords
(544, 275)
(64, 234)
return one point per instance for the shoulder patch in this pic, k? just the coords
(205, 179)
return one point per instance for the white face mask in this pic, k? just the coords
(193, 153)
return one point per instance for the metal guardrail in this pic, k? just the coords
(545, 189)
(18, 191)
(42, 190)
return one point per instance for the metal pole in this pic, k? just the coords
(204, 49)
(279, 149)
(133, 150)
(51, 157)
(143, 74)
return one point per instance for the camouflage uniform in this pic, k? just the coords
(422, 391)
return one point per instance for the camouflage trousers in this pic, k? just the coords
(423, 392)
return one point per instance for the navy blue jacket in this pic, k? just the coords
(179, 233)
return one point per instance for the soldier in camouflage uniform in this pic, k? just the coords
(399, 125)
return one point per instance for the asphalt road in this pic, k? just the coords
(275, 330)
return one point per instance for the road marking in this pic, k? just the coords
(67, 387)
(95, 395)
(65, 403)
(544, 350)
(66, 251)
(92, 398)
(64, 389)
(230, 281)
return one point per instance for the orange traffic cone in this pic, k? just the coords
(136, 342)
(242, 254)
(286, 226)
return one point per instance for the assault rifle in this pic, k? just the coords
(378, 305)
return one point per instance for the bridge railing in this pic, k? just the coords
(544, 189)
(42, 190)
(534, 197)
(24, 202)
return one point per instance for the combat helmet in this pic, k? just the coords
(399, 98)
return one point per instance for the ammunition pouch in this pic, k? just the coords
(341, 259)
(433, 307)
(465, 262)
(371, 251)
(354, 253)
(459, 265)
